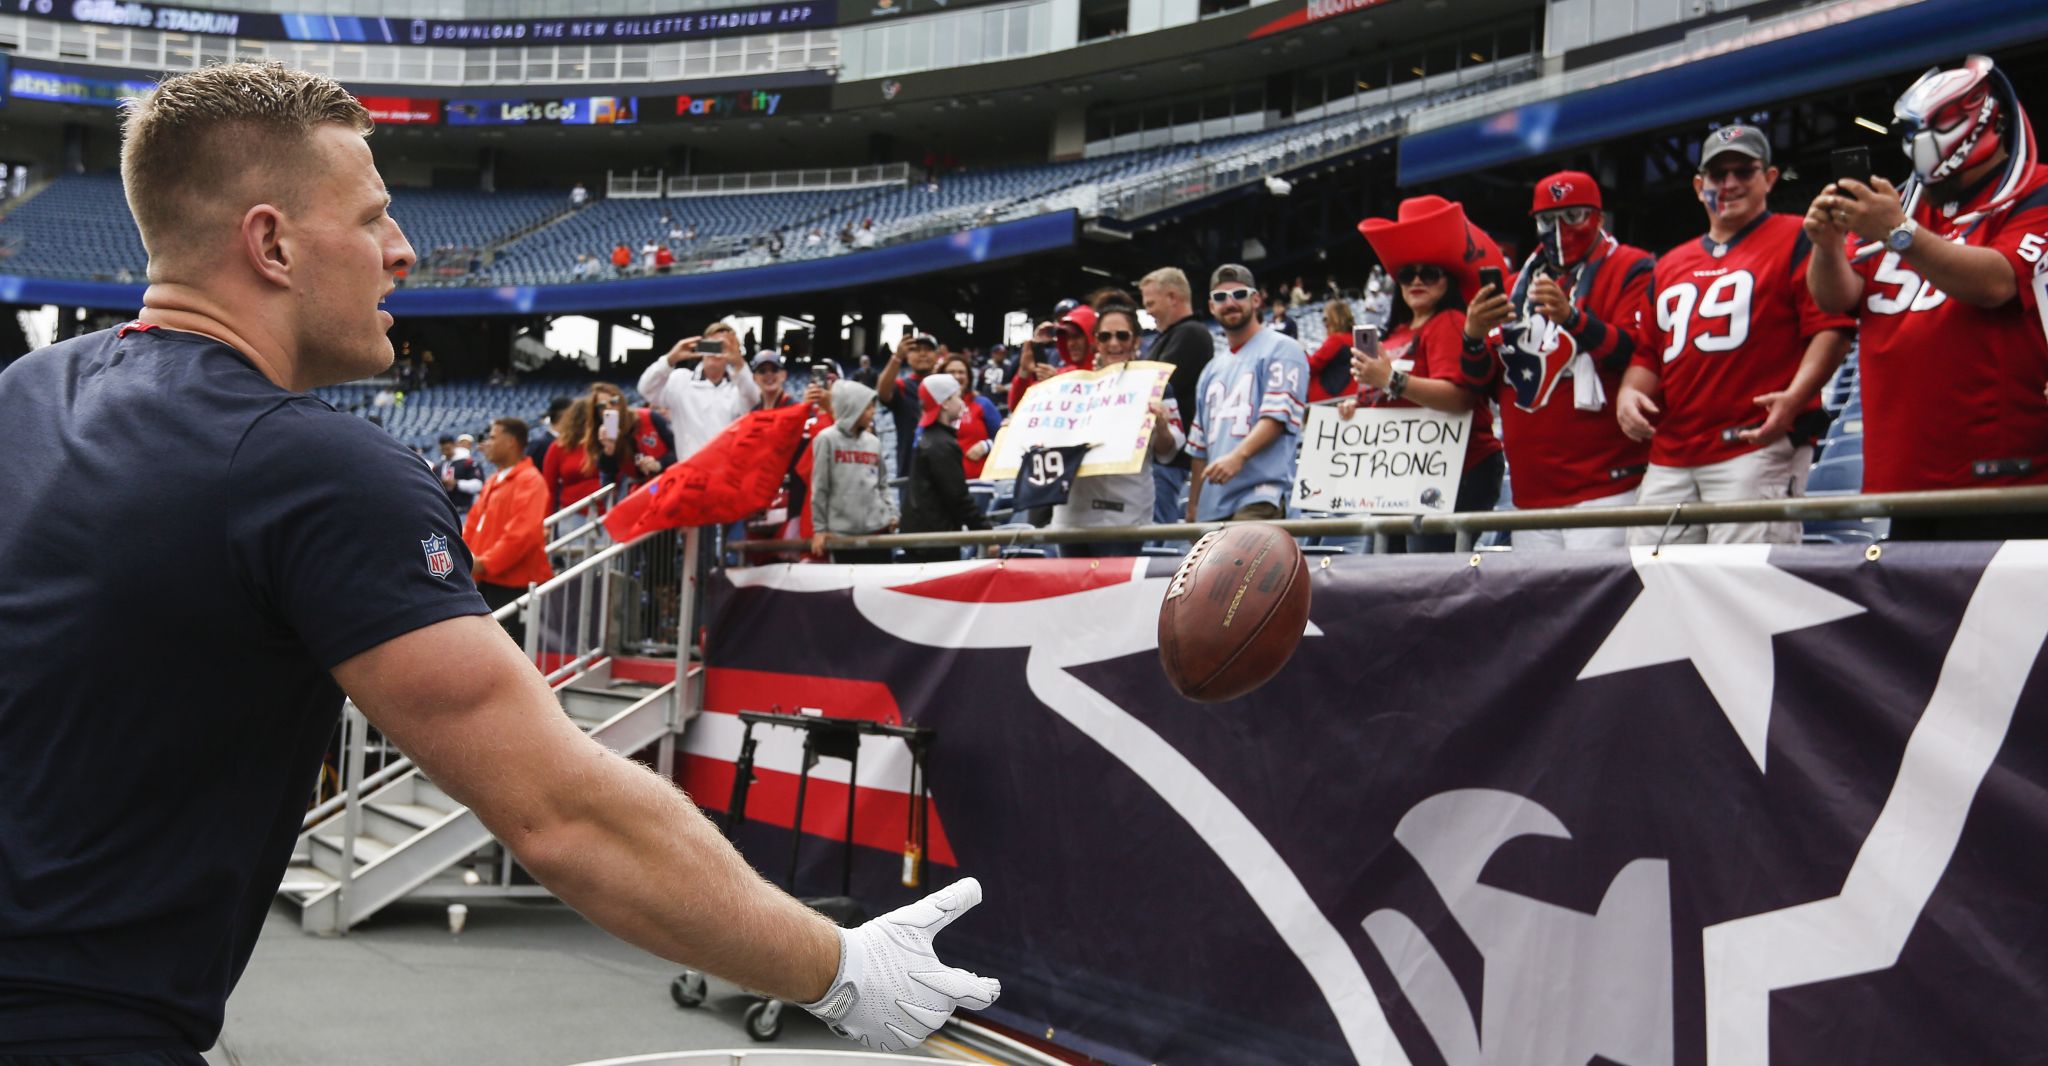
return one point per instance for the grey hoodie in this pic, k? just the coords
(849, 490)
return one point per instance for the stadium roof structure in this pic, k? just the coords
(1773, 62)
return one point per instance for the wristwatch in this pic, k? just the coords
(1901, 236)
(1397, 383)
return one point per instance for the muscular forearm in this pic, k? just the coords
(1980, 277)
(644, 864)
(609, 837)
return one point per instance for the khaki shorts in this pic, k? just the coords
(1261, 511)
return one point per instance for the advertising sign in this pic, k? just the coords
(402, 110)
(456, 33)
(1383, 460)
(58, 88)
(574, 111)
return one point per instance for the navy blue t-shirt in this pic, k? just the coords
(186, 550)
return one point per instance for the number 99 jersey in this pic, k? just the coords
(1727, 323)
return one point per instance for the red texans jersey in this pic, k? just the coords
(1725, 324)
(1952, 392)
(1559, 455)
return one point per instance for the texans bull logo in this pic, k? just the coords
(1535, 357)
(1559, 190)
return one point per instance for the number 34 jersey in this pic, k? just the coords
(1952, 392)
(1727, 323)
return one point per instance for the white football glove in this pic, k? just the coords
(891, 990)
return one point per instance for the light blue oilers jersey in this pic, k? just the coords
(1267, 378)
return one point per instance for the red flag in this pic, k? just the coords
(735, 475)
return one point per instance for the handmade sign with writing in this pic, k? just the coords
(1383, 460)
(1110, 409)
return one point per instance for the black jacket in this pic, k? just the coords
(1189, 346)
(938, 501)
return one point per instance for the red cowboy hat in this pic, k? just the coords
(1431, 230)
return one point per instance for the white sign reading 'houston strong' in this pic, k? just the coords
(1383, 460)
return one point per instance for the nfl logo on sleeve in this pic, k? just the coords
(439, 562)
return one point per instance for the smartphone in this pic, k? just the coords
(1492, 276)
(711, 346)
(611, 425)
(1851, 163)
(1366, 339)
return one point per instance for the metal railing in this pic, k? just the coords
(818, 178)
(634, 186)
(585, 517)
(1466, 527)
(1737, 32)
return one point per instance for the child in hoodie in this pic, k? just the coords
(850, 494)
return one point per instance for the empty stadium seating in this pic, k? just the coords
(420, 416)
(78, 226)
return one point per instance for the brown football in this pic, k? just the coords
(1234, 612)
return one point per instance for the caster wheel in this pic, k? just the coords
(688, 989)
(764, 1020)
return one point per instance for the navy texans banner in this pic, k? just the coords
(1722, 805)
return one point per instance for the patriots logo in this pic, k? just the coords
(1536, 353)
(1559, 190)
(439, 562)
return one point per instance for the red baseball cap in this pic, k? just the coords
(1566, 188)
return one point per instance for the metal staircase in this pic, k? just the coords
(393, 834)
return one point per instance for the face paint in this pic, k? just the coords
(1711, 197)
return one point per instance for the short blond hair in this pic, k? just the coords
(188, 146)
(1171, 279)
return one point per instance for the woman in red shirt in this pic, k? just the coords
(978, 424)
(1418, 361)
(570, 466)
(1329, 367)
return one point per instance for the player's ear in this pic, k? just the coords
(263, 244)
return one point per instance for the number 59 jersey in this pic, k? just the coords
(1726, 324)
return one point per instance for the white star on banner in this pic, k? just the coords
(1719, 606)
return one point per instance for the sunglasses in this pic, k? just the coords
(1428, 275)
(1224, 296)
(1118, 335)
(1570, 216)
(1745, 172)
